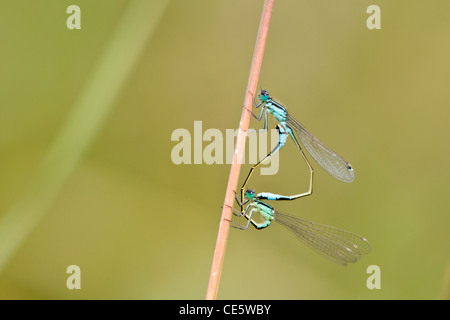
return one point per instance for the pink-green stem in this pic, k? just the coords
(224, 227)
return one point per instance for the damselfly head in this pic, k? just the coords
(264, 95)
(249, 194)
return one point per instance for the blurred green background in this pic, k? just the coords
(86, 118)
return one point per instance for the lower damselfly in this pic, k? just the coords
(339, 246)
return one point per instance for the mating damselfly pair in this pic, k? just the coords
(339, 246)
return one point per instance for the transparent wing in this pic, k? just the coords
(324, 156)
(339, 246)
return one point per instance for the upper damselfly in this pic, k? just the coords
(290, 127)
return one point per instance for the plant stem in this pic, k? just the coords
(224, 226)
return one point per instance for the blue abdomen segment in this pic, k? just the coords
(282, 136)
(271, 196)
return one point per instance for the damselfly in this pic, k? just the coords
(341, 247)
(288, 126)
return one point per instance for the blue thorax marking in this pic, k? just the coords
(262, 205)
(266, 210)
(278, 111)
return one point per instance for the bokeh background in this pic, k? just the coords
(86, 118)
